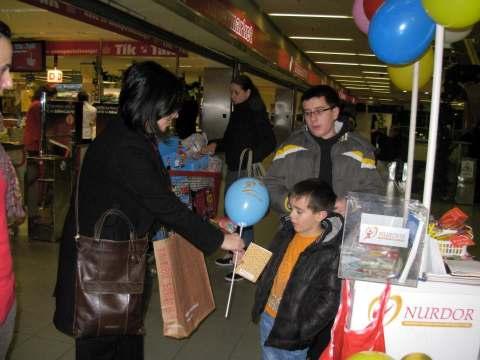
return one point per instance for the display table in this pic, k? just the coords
(441, 320)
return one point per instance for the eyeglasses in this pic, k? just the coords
(316, 112)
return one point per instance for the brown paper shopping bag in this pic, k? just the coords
(186, 296)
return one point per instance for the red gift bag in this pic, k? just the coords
(453, 219)
(345, 342)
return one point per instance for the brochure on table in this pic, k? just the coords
(383, 239)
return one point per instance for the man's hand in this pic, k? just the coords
(341, 206)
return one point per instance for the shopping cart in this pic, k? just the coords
(199, 190)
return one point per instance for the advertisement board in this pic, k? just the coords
(28, 56)
(441, 320)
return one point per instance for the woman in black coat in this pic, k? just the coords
(248, 128)
(122, 169)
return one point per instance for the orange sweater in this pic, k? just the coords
(298, 244)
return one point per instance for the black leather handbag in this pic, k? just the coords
(109, 281)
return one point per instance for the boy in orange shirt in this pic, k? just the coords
(298, 294)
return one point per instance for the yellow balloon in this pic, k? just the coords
(369, 355)
(453, 14)
(402, 76)
(416, 356)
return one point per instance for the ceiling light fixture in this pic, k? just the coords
(366, 54)
(329, 53)
(377, 78)
(377, 82)
(346, 76)
(357, 88)
(325, 16)
(350, 81)
(385, 99)
(336, 63)
(374, 65)
(375, 72)
(319, 38)
(348, 64)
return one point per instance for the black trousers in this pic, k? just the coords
(125, 347)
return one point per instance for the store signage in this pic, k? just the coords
(438, 319)
(54, 76)
(109, 48)
(71, 11)
(299, 70)
(28, 56)
(242, 28)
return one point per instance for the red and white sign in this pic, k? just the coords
(28, 56)
(110, 48)
(71, 11)
(243, 28)
(441, 320)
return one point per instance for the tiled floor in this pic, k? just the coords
(217, 338)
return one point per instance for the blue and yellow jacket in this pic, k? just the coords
(298, 158)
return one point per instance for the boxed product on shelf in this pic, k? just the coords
(383, 239)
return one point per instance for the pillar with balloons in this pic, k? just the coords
(400, 32)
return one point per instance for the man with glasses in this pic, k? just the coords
(324, 148)
(327, 149)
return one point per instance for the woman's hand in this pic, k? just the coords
(234, 243)
(209, 149)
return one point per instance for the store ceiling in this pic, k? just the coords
(34, 23)
(343, 28)
(30, 22)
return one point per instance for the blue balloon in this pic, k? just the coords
(246, 201)
(400, 31)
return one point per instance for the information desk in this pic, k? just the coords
(441, 320)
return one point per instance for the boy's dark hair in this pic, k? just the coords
(149, 93)
(329, 93)
(320, 195)
(5, 30)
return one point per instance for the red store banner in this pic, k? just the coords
(110, 48)
(65, 9)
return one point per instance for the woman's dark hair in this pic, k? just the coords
(320, 195)
(149, 92)
(5, 30)
(329, 93)
(255, 100)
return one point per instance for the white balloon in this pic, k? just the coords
(454, 35)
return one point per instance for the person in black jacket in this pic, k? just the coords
(122, 169)
(298, 294)
(248, 127)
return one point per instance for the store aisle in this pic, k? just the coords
(217, 338)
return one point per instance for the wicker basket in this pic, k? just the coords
(447, 249)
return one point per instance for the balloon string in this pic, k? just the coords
(232, 280)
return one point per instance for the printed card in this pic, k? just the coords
(253, 262)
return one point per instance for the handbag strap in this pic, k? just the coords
(101, 221)
(249, 153)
